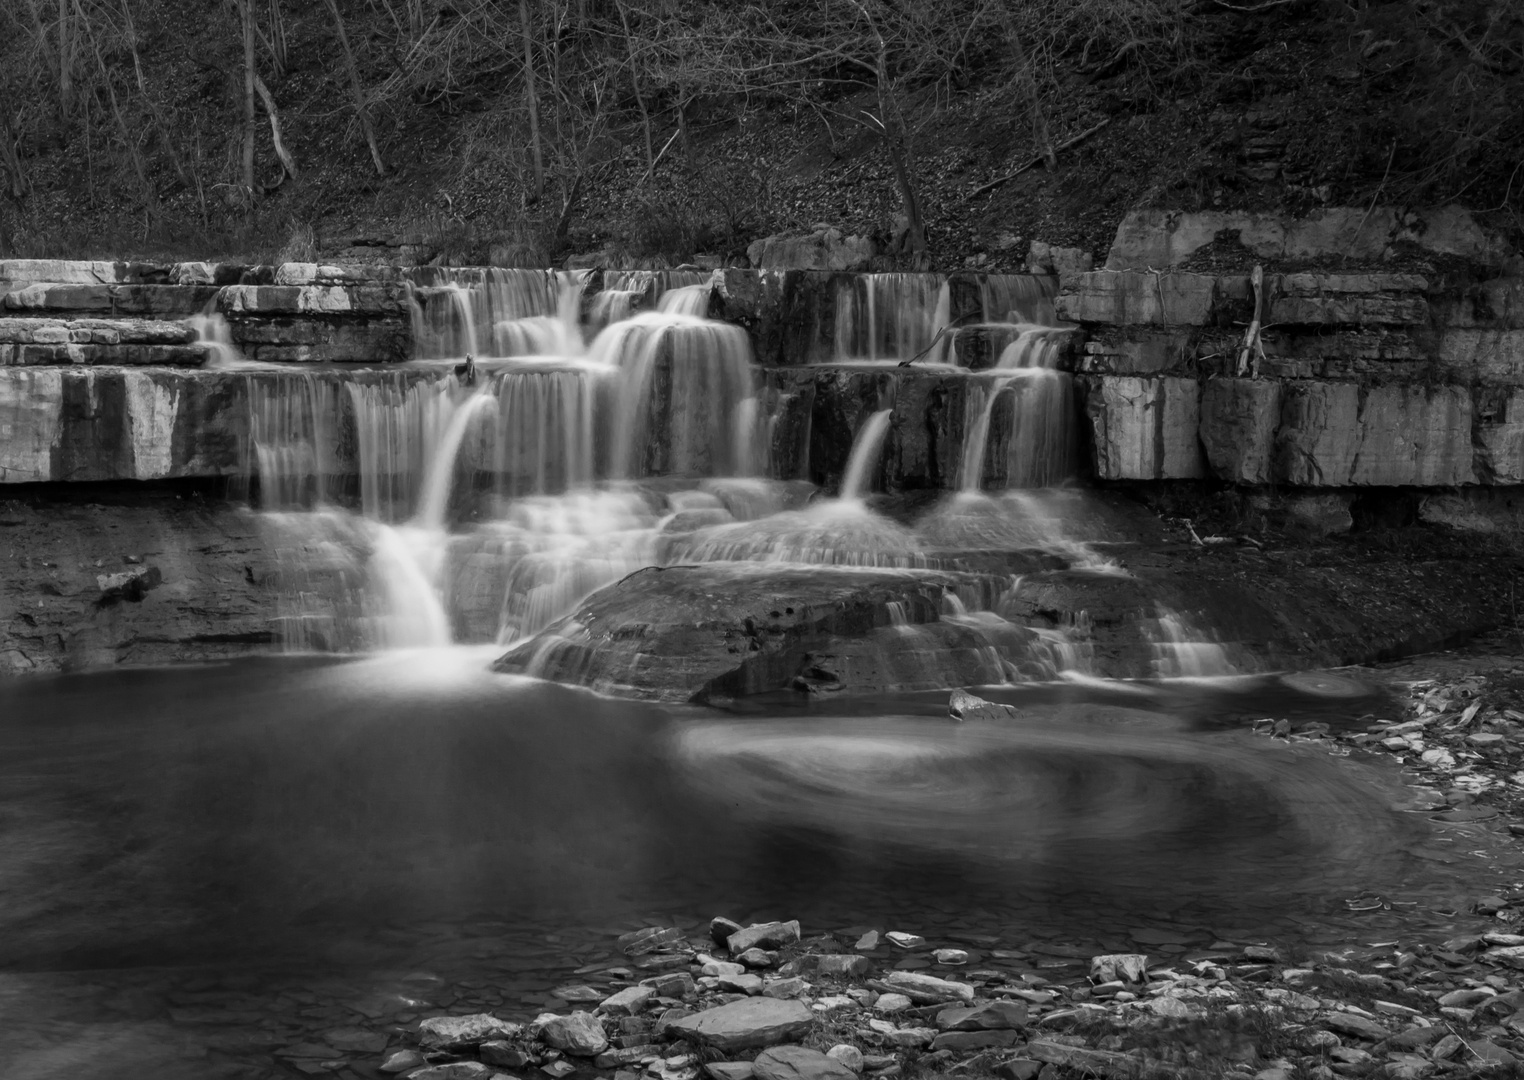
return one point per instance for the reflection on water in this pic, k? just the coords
(416, 812)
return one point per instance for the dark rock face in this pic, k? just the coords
(162, 579)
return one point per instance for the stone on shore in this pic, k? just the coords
(928, 989)
(402, 1061)
(1124, 967)
(772, 935)
(580, 1034)
(628, 1001)
(799, 1063)
(994, 1016)
(453, 1032)
(745, 1025)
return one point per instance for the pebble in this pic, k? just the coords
(904, 940)
(848, 1055)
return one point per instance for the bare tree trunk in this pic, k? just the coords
(65, 59)
(356, 89)
(640, 100)
(897, 141)
(246, 16)
(532, 100)
(287, 162)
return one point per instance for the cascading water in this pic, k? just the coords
(1181, 650)
(890, 316)
(493, 497)
(1040, 435)
(865, 452)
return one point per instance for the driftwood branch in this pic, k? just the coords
(1253, 349)
(287, 162)
(1039, 159)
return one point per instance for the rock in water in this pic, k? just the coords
(799, 1063)
(450, 1032)
(745, 1025)
(965, 706)
(580, 1034)
(771, 935)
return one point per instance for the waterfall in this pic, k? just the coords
(293, 437)
(864, 456)
(213, 331)
(454, 307)
(435, 495)
(890, 316)
(1041, 437)
(1182, 651)
(680, 383)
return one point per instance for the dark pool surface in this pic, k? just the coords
(245, 837)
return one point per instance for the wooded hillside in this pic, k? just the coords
(659, 129)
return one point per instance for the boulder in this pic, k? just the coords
(579, 1034)
(746, 1025)
(823, 249)
(707, 631)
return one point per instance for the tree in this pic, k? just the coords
(356, 90)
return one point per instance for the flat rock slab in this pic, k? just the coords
(711, 631)
(799, 1063)
(928, 988)
(772, 935)
(443, 1032)
(994, 1016)
(746, 1025)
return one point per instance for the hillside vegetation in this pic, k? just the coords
(657, 130)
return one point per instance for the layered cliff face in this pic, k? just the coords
(1407, 371)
